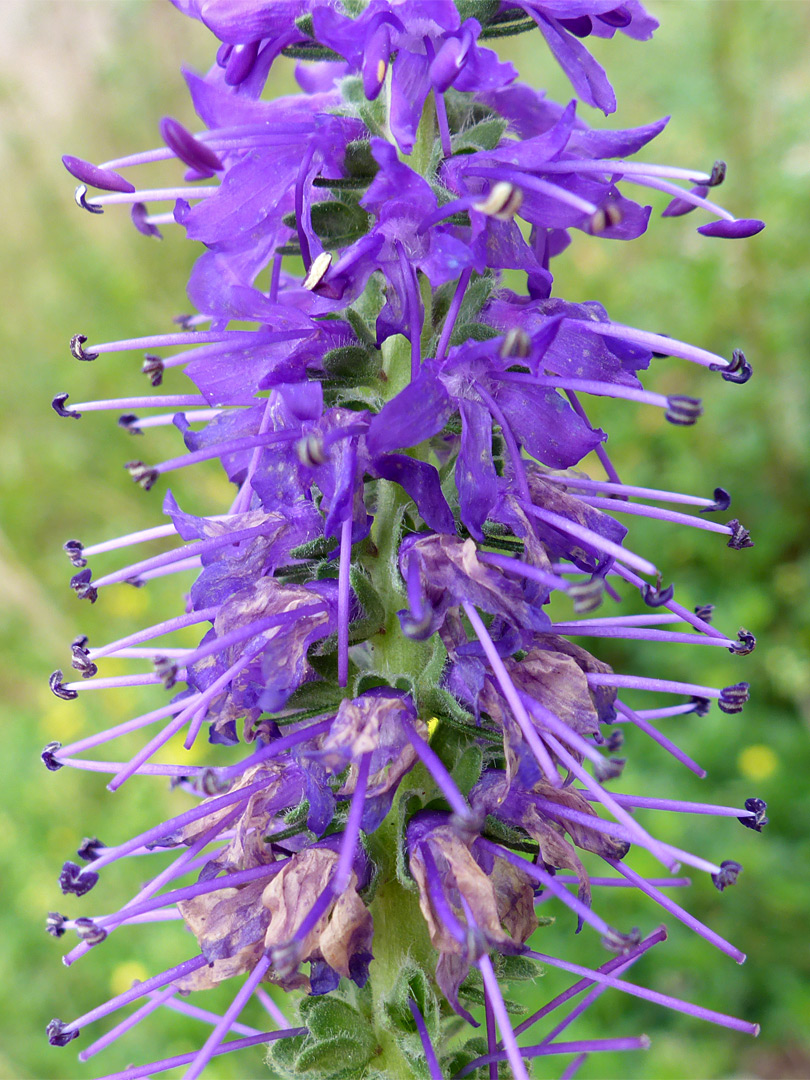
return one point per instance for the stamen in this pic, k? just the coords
(80, 198)
(640, 722)
(343, 600)
(513, 698)
(143, 196)
(740, 537)
(444, 781)
(317, 270)
(61, 689)
(729, 871)
(155, 1000)
(493, 992)
(413, 305)
(427, 1045)
(136, 1072)
(660, 341)
(76, 343)
(738, 371)
(587, 386)
(512, 180)
(523, 569)
(452, 314)
(601, 543)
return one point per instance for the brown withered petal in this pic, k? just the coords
(229, 924)
(588, 839)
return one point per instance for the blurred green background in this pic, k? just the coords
(93, 78)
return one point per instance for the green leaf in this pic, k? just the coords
(455, 1062)
(352, 363)
(412, 982)
(472, 331)
(410, 802)
(482, 136)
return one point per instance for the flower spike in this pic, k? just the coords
(383, 622)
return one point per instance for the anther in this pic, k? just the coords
(705, 612)
(140, 219)
(57, 1035)
(617, 942)
(654, 596)
(153, 369)
(58, 688)
(81, 660)
(317, 271)
(80, 198)
(167, 670)
(732, 698)
(88, 931)
(738, 371)
(55, 924)
(80, 583)
(701, 705)
(745, 644)
(757, 807)
(614, 742)
(90, 848)
(311, 451)
(76, 349)
(718, 174)
(605, 217)
(211, 782)
(185, 322)
(729, 872)
(609, 769)
(740, 537)
(722, 501)
(49, 759)
(142, 474)
(58, 406)
(587, 595)
(502, 202)
(74, 880)
(516, 344)
(74, 550)
(683, 410)
(129, 422)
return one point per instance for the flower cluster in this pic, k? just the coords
(427, 751)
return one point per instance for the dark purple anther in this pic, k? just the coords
(75, 880)
(654, 596)
(757, 807)
(609, 769)
(166, 668)
(58, 406)
(587, 596)
(142, 474)
(191, 151)
(81, 660)
(153, 369)
(55, 924)
(240, 62)
(718, 174)
(739, 229)
(80, 198)
(683, 410)
(74, 549)
(90, 848)
(722, 501)
(617, 942)
(88, 931)
(58, 688)
(48, 755)
(614, 741)
(57, 1035)
(746, 643)
(580, 26)
(738, 371)
(129, 421)
(740, 537)
(732, 698)
(76, 349)
(705, 612)
(729, 872)
(91, 174)
(375, 61)
(80, 583)
(139, 214)
(701, 705)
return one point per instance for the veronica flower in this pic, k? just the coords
(426, 753)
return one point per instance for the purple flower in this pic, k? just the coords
(425, 753)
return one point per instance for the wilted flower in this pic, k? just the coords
(427, 751)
